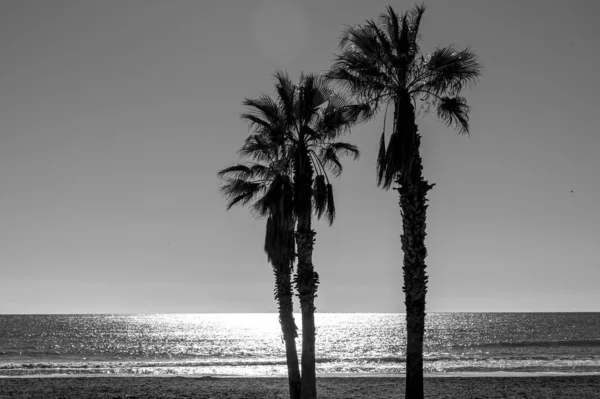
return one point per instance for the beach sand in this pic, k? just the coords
(563, 387)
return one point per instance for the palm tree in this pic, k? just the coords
(382, 65)
(294, 135)
(242, 183)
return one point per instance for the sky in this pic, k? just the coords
(116, 115)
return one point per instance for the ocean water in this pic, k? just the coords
(251, 344)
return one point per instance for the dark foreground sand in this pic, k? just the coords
(576, 387)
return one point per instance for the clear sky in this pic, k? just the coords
(116, 115)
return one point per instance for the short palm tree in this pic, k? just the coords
(382, 65)
(270, 186)
(294, 136)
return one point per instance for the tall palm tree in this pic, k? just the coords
(295, 135)
(382, 65)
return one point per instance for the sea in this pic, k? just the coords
(252, 345)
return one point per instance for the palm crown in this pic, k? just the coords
(293, 137)
(382, 64)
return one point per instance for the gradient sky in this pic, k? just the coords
(116, 115)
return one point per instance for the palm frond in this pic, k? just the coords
(247, 172)
(258, 148)
(271, 235)
(359, 113)
(310, 133)
(264, 107)
(239, 191)
(336, 101)
(314, 93)
(366, 56)
(286, 91)
(403, 45)
(349, 77)
(333, 122)
(330, 160)
(256, 122)
(381, 160)
(392, 24)
(273, 196)
(392, 161)
(451, 70)
(330, 155)
(279, 235)
(280, 166)
(345, 149)
(360, 38)
(234, 172)
(330, 213)
(319, 195)
(364, 65)
(278, 242)
(384, 45)
(415, 17)
(454, 111)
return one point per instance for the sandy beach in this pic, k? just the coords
(563, 387)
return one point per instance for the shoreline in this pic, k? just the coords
(350, 387)
(471, 374)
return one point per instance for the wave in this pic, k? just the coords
(278, 368)
(112, 365)
(534, 344)
(275, 362)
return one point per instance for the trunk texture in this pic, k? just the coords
(307, 281)
(413, 204)
(289, 329)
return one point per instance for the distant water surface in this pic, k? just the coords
(251, 344)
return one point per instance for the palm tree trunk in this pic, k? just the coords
(288, 328)
(293, 368)
(413, 205)
(307, 281)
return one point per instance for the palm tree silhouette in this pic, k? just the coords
(294, 150)
(242, 184)
(382, 65)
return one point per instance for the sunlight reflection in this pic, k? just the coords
(251, 344)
